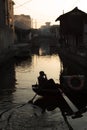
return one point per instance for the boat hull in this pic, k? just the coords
(46, 92)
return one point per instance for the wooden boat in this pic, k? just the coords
(46, 91)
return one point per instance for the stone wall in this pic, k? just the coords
(6, 44)
(6, 38)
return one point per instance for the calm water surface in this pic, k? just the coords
(27, 71)
(16, 81)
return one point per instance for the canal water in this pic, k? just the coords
(16, 80)
(28, 71)
(17, 77)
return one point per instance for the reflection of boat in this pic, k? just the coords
(46, 91)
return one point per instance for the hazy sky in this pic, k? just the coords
(47, 10)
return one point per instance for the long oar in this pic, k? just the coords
(31, 101)
(69, 102)
(75, 110)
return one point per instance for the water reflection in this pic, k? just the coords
(43, 51)
(7, 86)
(23, 63)
(27, 72)
(52, 103)
(63, 67)
(7, 78)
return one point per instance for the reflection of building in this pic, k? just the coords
(7, 78)
(73, 29)
(6, 26)
(22, 25)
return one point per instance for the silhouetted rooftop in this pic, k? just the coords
(73, 12)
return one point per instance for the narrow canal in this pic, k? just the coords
(16, 78)
(28, 71)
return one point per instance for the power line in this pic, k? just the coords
(23, 4)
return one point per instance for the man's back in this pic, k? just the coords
(42, 82)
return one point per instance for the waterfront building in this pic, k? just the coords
(22, 24)
(6, 27)
(73, 30)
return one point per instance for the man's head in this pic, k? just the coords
(42, 73)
